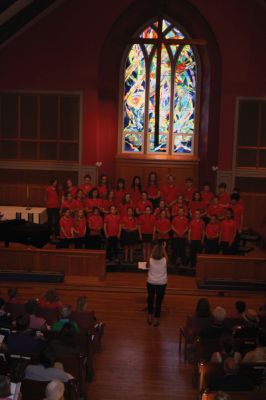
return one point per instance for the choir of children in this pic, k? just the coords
(130, 216)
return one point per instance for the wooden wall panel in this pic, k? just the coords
(90, 263)
(255, 210)
(126, 167)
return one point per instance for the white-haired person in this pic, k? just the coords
(55, 390)
(217, 327)
(156, 282)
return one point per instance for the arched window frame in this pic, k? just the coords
(195, 136)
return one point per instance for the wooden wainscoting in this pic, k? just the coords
(127, 166)
(22, 195)
(255, 211)
(89, 263)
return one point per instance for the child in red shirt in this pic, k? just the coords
(129, 234)
(162, 227)
(66, 228)
(120, 190)
(80, 199)
(136, 190)
(87, 185)
(180, 227)
(125, 203)
(79, 229)
(103, 187)
(170, 191)
(93, 200)
(212, 234)
(197, 204)
(108, 202)
(215, 209)
(195, 237)
(112, 230)
(95, 225)
(153, 189)
(70, 188)
(188, 190)
(143, 203)
(180, 203)
(238, 211)
(162, 206)
(224, 198)
(69, 203)
(146, 224)
(228, 233)
(52, 206)
(207, 194)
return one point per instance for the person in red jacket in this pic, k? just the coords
(228, 233)
(79, 229)
(212, 234)
(180, 227)
(52, 206)
(129, 234)
(195, 237)
(162, 228)
(66, 228)
(153, 189)
(112, 230)
(95, 225)
(146, 224)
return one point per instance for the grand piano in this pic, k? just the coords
(22, 231)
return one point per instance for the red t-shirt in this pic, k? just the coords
(95, 223)
(212, 231)
(228, 230)
(217, 210)
(102, 189)
(52, 199)
(43, 303)
(72, 190)
(170, 193)
(158, 210)
(196, 229)
(66, 224)
(123, 208)
(106, 204)
(146, 223)
(135, 195)
(128, 223)
(112, 223)
(181, 225)
(176, 207)
(153, 191)
(119, 194)
(188, 193)
(91, 203)
(163, 224)
(142, 205)
(72, 205)
(197, 205)
(207, 196)
(224, 198)
(80, 204)
(86, 188)
(238, 210)
(79, 226)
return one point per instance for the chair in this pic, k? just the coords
(51, 315)
(35, 390)
(15, 309)
(85, 320)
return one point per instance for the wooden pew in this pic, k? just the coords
(227, 268)
(90, 263)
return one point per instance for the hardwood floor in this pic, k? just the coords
(138, 361)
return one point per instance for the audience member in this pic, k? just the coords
(50, 300)
(217, 328)
(259, 354)
(240, 307)
(24, 340)
(5, 393)
(66, 342)
(5, 319)
(203, 309)
(13, 296)
(55, 390)
(249, 327)
(221, 396)
(231, 380)
(36, 323)
(65, 314)
(227, 349)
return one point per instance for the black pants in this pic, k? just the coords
(53, 220)
(112, 247)
(94, 242)
(212, 246)
(179, 249)
(194, 250)
(227, 249)
(79, 242)
(155, 292)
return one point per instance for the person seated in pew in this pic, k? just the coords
(54, 390)
(259, 353)
(220, 395)
(5, 318)
(249, 327)
(227, 349)
(66, 342)
(217, 327)
(24, 340)
(46, 368)
(231, 380)
(5, 389)
(65, 314)
(12, 294)
(36, 323)
(50, 300)
(240, 308)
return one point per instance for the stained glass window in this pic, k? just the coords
(159, 92)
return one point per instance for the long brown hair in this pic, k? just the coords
(157, 252)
